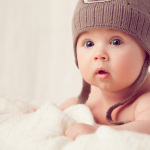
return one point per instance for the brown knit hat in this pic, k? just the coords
(130, 16)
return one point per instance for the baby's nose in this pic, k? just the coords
(101, 56)
(104, 58)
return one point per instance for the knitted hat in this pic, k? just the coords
(130, 16)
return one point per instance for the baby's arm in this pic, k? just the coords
(80, 129)
(142, 116)
(141, 123)
(141, 126)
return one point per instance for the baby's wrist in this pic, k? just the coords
(97, 126)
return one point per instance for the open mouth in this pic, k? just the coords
(102, 74)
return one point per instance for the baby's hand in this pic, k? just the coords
(32, 110)
(80, 129)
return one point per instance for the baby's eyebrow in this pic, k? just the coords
(86, 31)
(84, 35)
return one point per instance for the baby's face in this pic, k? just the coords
(109, 59)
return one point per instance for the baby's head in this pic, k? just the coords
(131, 17)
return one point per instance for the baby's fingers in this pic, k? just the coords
(71, 133)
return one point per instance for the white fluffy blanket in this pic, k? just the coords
(44, 130)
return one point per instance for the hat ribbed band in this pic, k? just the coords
(115, 16)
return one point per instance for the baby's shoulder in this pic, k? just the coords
(142, 104)
(68, 103)
(144, 99)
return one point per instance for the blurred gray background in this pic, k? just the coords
(36, 52)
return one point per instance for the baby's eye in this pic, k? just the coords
(88, 44)
(116, 42)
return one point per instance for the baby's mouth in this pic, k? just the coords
(102, 74)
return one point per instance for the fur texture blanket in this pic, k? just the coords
(44, 130)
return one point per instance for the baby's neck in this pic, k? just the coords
(108, 97)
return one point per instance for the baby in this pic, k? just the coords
(112, 48)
